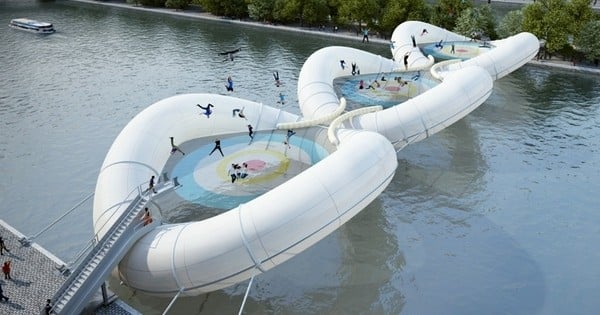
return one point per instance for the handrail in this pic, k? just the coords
(27, 240)
(338, 121)
(438, 68)
(94, 240)
(315, 121)
(123, 217)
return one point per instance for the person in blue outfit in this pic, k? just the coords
(229, 85)
(207, 109)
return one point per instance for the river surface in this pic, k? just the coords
(497, 214)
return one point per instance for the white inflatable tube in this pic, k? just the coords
(316, 95)
(507, 55)
(143, 146)
(420, 117)
(411, 121)
(208, 255)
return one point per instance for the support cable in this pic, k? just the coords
(247, 292)
(27, 240)
(172, 302)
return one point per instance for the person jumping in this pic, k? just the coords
(207, 110)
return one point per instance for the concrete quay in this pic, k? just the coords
(36, 277)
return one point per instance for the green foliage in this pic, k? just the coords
(581, 13)
(287, 11)
(478, 20)
(230, 8)
(446, 12)
(311, 12)
(359, 11)
(315, 12)
(152, 3)
(398, 11)
(261, 10)
(511, 24)
(588, 40)
(549, 20)
(177, 4)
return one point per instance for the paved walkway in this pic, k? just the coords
(35, 278)
(34, 275)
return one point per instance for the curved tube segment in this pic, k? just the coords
(460, 93)
(421, 32)
(411, 121)
(507, 55)
(268, 228)
(316, 95)
(143, 146)
(203, 256)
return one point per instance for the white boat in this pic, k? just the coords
(32, 26)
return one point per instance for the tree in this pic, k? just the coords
(511, 24)
(548, 20)
(359, 11)
(315, 12)
(588, 40)
(445, 12)
(398, 11)
(177, 4)
(260, 10)
(231, 8)
(287, 11)
(152, 3)
(581, 13)
(478, 20)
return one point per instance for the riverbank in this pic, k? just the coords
(195, 13)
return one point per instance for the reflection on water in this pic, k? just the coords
(496, 214)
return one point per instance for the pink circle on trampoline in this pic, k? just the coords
(462, 50)
(256, 165)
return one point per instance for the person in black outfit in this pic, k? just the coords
(406, 60)
(3, 246)
(48, 307)
(175, 148)
(151, 184)
(276, 77)
(217, 147)
(2, 296)
(251, 132)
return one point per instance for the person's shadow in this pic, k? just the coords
(13, 305)
(21, 283)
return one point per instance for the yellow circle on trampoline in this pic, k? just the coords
(226, 162)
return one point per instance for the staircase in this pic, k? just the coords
(93, 270)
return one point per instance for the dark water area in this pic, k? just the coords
(497, 214)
